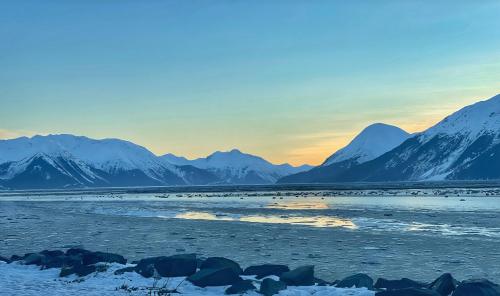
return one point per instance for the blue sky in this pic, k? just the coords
(291, 81)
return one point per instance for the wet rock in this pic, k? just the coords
(32, 259)
(480, 287)
(4, 259)
(241, 287)
(220, 262)
(15, 258)
(96, 257)
(145, 267)
(301, 276)
(55, 253)
(270, 287)
(79, 270)
(397, 284)
(261, 271)
(444, 285)
(409, 292)
(359, 280)
(124, 270)
(321, 282)
(177, 265)
(214, 277)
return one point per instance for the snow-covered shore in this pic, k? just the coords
(29, 280)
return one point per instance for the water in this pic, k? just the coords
(420, 232)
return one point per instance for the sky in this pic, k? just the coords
(291, 81)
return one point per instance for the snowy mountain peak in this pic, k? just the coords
(372, 142)
(472, 121)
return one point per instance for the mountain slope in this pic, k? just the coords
(59, 161)
(369, 144)
(463, 146)
(235, 167)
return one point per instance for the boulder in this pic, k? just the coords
(79, 270)
(124, 270)
(214, 277)
(96, 257)
(240, 287)
(270, 287)
(397, 284)
(359, 280)
(55, 253)
(408, 292)
(76, 252)
(261, 271)
(444, 285)
(480, 287)
(301, 276)
(321, 282)
(177, 265)
(33, 259)
(146, 266)
(220, 262)
(15, 258)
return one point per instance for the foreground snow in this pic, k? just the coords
(25, 280)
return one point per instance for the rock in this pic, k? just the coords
(480, 287)
(301, 276)
(261, 271)
(397, 284)
(55, 253)
(33, 259)
(321, 282)
(240, 287)
(408, 292)
(444, 285)
(96, 257)
(124, 270)
(214, 277)
(4, 259)
(177, 265)
(15, 258)
(359, 280)
(76, 252)
(220, 262)
(270, 287)
(79, 270)
(145, 267)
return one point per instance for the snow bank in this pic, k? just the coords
(23, 280)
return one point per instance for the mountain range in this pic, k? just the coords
(463, 146)
(68, 161)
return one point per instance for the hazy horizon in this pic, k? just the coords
(288, 81)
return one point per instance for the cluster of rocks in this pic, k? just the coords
(219, 271)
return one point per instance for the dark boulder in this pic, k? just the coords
(214, 277)
(220, 262)
(124, 270)
(79, 270)
(55, 253)
(301, 276)
(96, 257)
(33, 259)
(177, 265)
(397, 284)
(359, 280)
(15, 258)
(444, 285)
(241, 287)
(321, 282)
(409, 292)
(77, 252)
(270, 287)
(146, 266)
(480, 287)
(4, 259)
(261, 271)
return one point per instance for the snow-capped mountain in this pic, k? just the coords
(463, 146)
(372, 142)
(235, 167)
(56, 161)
